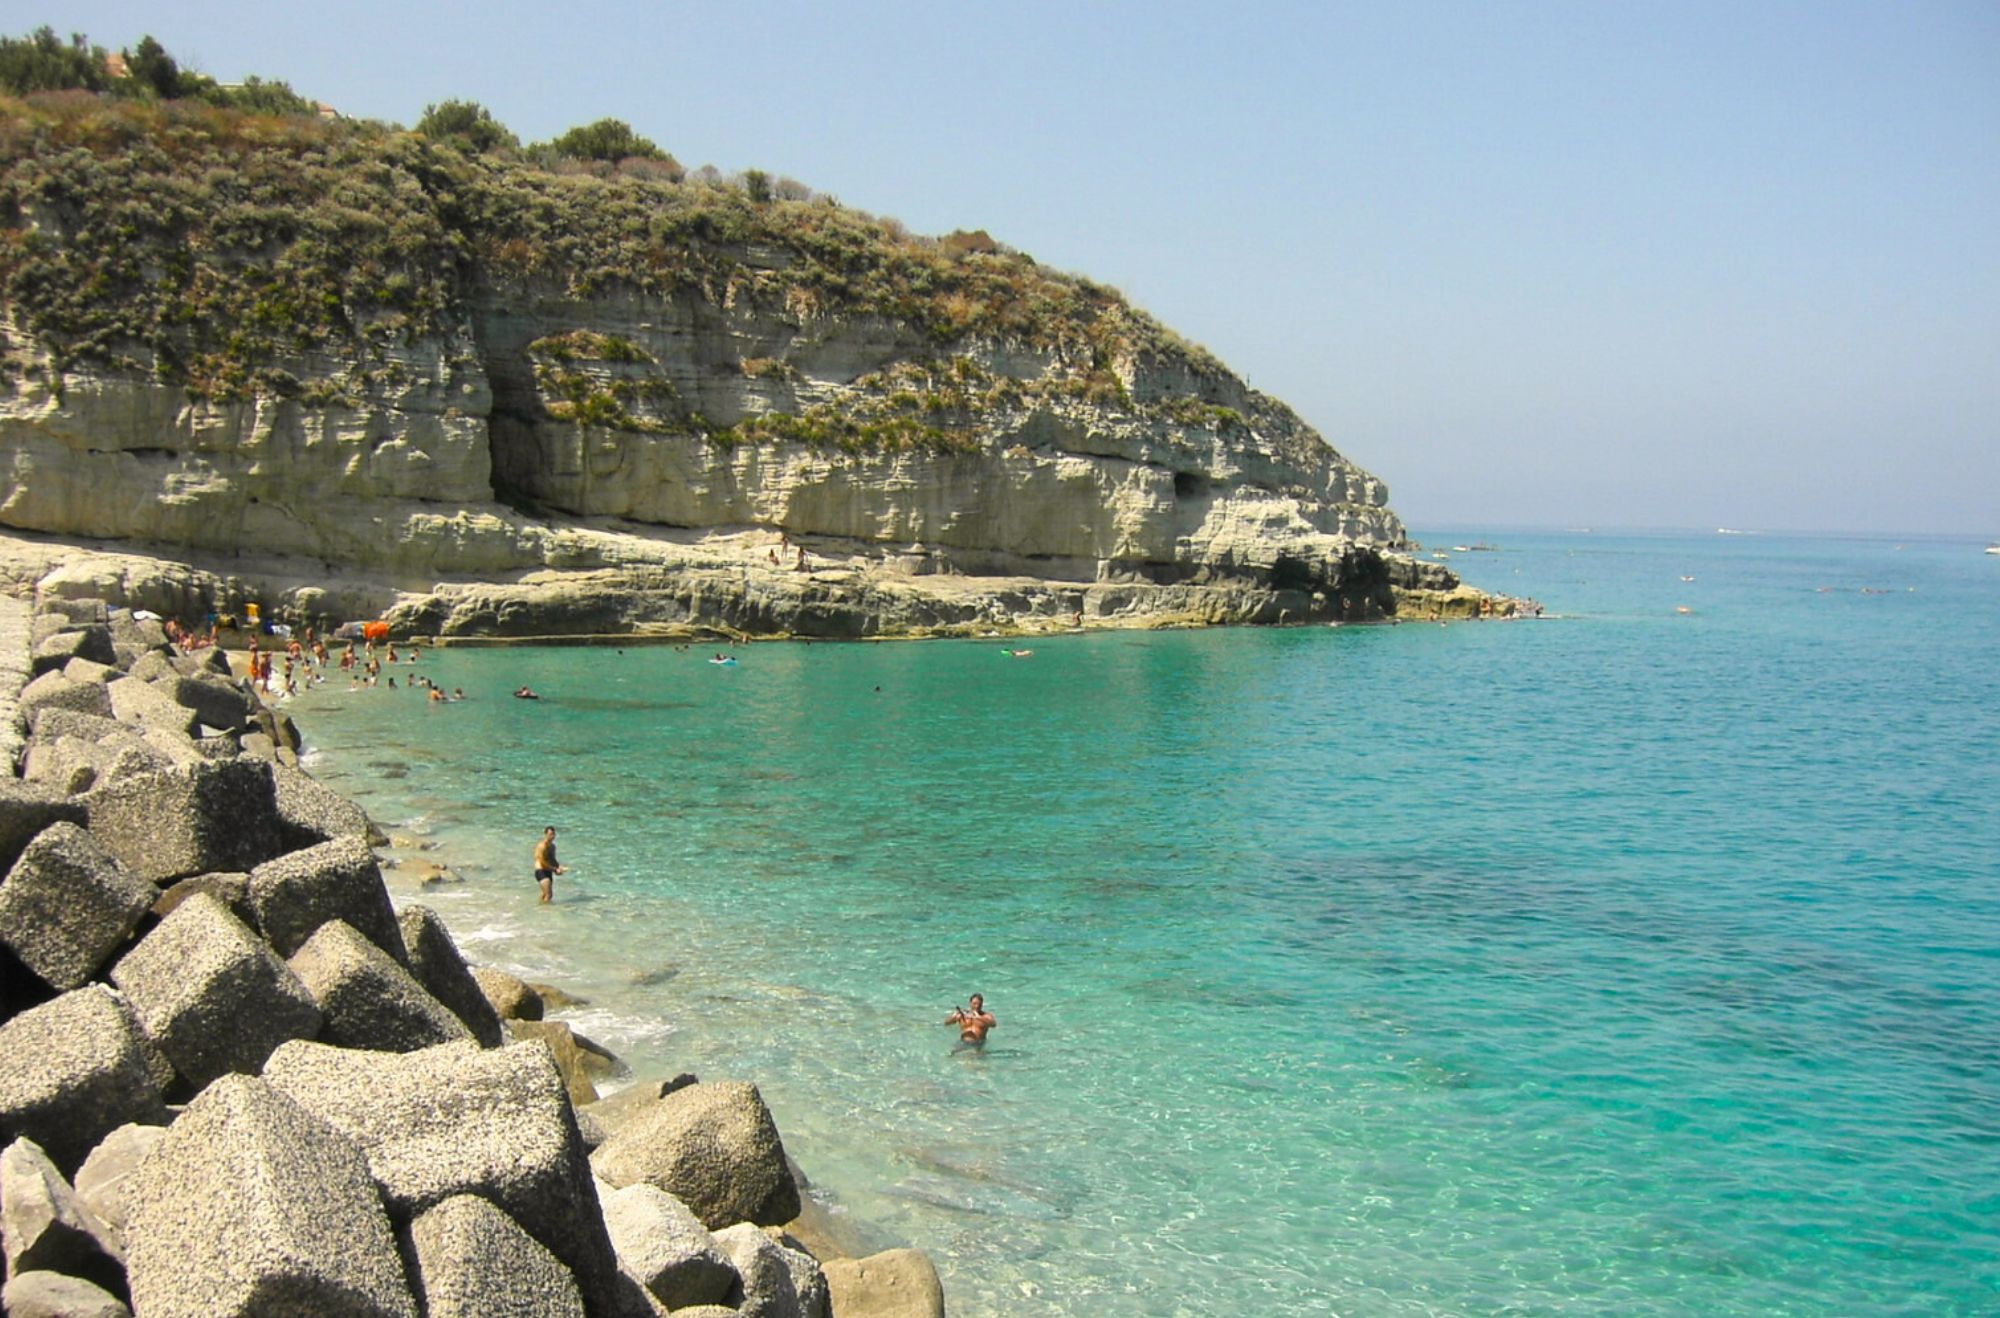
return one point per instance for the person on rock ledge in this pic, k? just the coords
(546, 866)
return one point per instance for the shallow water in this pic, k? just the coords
(1625, 962)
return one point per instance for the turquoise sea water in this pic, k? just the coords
(1624, 962)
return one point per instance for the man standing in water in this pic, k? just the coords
(973, 1022)
(546, 867)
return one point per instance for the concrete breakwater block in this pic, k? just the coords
(25, 810)
(435, 961)
(214, 701)
(54, 651)
(89, 670)
(473, 1261)
(52, 721)
(211, 994)
(253, 1206)
(459, 1119)
(83, 610)
(339, 880)
(369, 1001)
(52, 690)
(666, 1249)
(67, 904)
(712, 1146)
(144, 705)
(44, 1227)
(777, 1282)
(314, 812)
(72, 1071)
(218, 815)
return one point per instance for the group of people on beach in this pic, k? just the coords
(305, 657)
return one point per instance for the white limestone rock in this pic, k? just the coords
(53, 1295)
(100, 1182)
(896, 1283)
(777, 1282)
(45, 1227)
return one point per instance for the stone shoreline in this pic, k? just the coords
(233, 1080)
(720, 586)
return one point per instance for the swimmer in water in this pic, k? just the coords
(973, 1022)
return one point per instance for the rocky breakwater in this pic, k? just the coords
(235, 1081)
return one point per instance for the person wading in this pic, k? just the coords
(546, 865)
(973, 1022)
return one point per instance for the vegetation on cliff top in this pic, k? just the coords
(158, 222)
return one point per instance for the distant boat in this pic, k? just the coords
(1479, 548)
(1993, 549)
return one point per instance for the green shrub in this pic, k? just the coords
(40, 62)
(607, 140)
(468, 124)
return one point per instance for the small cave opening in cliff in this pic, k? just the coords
(1293, 573)
(1190, 485)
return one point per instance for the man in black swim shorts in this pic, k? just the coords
(546, 866)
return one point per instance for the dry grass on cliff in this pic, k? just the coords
(217, 249)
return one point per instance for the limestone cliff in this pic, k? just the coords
(364, 371)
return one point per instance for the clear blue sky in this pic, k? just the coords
(1555, 263)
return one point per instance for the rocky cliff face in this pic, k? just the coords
(536, 442)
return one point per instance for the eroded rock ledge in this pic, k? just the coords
(234, 1082)
(721, 584)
